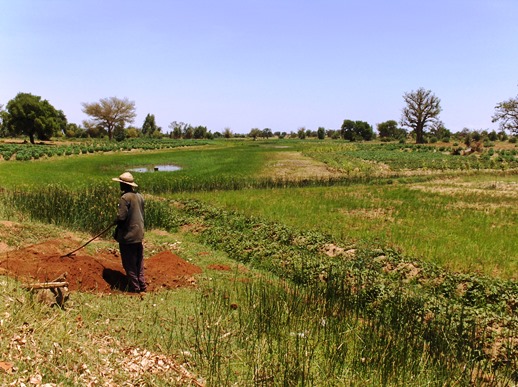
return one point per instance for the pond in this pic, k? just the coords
(157, 168)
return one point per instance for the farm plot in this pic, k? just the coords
(348, 309)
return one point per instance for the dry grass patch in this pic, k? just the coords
(295, 166)
(372, 213)
(456, 187)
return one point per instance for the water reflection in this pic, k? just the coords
(157, 168)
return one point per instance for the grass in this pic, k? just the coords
(371, 316)
(205, 167)
(462, 224)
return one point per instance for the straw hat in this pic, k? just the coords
(126, 178)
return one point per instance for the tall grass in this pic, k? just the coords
(462, 225)
(268, 332)
(362, 317)
(91, 210)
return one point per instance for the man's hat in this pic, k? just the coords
(126, 178)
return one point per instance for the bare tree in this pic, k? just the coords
(110, 113)
(422, 109)
(507, 113)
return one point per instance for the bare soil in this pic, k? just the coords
(99, 273)
(294, 165)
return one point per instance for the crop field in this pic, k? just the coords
(323, 263)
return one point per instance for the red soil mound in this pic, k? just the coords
(102, 273)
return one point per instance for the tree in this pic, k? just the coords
(110, 113)
(421, 110)
(389, 129)
(254, 133)
(347, 131)
(177, 129)
(200, 132)
(74, 130)
(188, 131)
(364, 130)
(3, 118)
(439, 131)
(301, 133)
(321, 133)
(149, 127)
(30, 115)
(357, 130)
(266, 133)
(227, 133)
(507, 113)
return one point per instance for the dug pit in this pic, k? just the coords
(99, 273)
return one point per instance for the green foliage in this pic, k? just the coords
(389, 129)
(347, 311)
(30, 151)
(401, 157)
(110, 113)
(149, 127)
(29, 115)
(417, 305)
(357, 131)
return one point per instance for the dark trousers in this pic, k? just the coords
(132, 256)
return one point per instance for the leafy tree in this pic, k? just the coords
(110, 113)
(439, 130)
(227, 133)
(254, 133)
(74, 130)
(177, 129)
(422, 109)
(132, 132)
(507, 113)
(3, 117)
(347, 131)
(502, 135)
(390, 129)
(493, 136)
(267, 133)
(301, 133)
(30, 115)
(356, 131)
(321, 133)
(119, 134)
(200, 132)
(188, 132)
(93, 130)
(149, 127)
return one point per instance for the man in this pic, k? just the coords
(130, 232)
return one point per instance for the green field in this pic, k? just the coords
(367, 264)
(465, 224)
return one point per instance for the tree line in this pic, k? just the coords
(32, 116)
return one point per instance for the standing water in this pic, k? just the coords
(157, 168)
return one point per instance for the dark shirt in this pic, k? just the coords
(130, 218)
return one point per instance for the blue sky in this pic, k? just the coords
(280, 64)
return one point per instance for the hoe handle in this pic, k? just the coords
(97, 236)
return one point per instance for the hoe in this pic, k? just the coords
(95, 237)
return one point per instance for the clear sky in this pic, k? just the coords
(278, 64)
